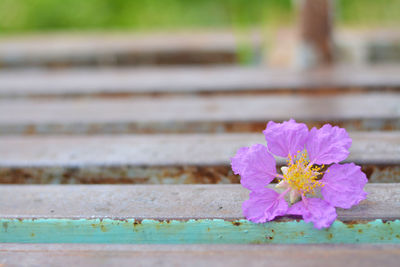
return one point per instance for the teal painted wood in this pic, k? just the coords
(193, 231)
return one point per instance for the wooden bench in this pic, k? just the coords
(70, 115)
(180, 214)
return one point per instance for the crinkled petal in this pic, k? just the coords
(285, 138)
(344, 185)
(296, 209)
(260, 168)
(264, 205)
(328, 144)
(238, 162)
(315, 210)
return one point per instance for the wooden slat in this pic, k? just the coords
(163, 158)
(60, 50)
(178, 214)
(196, 114)
(199, 255)
(163, 202)
(195, 80)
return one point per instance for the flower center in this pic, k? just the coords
(302, 176)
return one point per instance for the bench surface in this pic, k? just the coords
(218, 99)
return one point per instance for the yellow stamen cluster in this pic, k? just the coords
(301, 175)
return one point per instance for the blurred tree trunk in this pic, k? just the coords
(316, 25)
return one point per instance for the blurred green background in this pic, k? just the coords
(144, 15)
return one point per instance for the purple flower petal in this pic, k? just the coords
(328, 144)
(264, 205)
(238, 162)
(260, 168)
(285, 138)
(296, 209)
(344, 185)
(315, 210)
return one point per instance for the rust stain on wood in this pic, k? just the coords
(220, 174)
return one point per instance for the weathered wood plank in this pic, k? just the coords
(195, 80)
(61, 50)
(158, 159)
(163, 202)
(199, 255)
(196, 114)
(178, 214)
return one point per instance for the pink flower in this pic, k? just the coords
(307, 152)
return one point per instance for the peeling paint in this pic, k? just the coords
(5, 226)
(131, 231)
